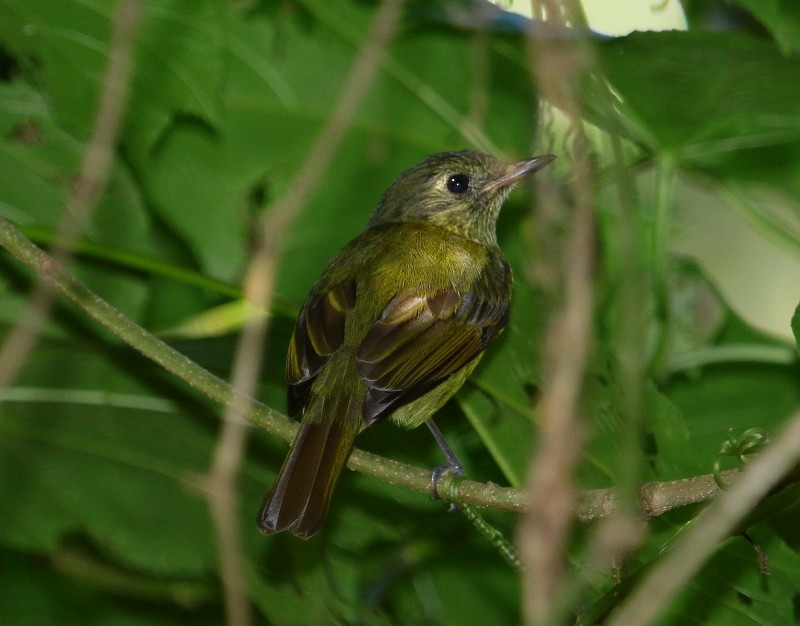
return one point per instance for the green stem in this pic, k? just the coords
(659, 260)
(503, 546)
(732, 353)
(132, 261)
(187, 593)
(449, 492)
(629, 322)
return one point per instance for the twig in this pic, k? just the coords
(353, 91)
(716, 523)
(259, 290)
(86, 189)
(544, 530)
(654, 498)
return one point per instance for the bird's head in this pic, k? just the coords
(458, 191)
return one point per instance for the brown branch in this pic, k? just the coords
(87, 188)
(353, 91)
(544, 530)
(258, 293)
(717, 522)
(655, 498)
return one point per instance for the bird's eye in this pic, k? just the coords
(458, 183)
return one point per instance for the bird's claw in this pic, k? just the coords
(437, 474)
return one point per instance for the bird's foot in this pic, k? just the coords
(450, 487)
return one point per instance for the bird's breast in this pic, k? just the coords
(426, 260)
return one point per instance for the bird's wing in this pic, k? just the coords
(418, 342)
(319, 332)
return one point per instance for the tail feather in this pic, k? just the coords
(299, 499)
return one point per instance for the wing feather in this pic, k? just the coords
(419, 342)
(319, 332)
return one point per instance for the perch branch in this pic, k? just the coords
(656, 497)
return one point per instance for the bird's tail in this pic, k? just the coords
(299, 499)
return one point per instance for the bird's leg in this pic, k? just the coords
(452, 465)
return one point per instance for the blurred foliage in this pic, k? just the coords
(104, 519)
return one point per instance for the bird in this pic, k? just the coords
(395, 324)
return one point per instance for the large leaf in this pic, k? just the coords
(38, 162)
(118, 464)
(177, 61)
(780, 17)
(284, 76)
(701, 91)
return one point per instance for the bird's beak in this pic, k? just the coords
(516, 171)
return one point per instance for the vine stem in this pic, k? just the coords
(661, 228)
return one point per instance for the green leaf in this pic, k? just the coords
(796, 326)
(747, 245)
(277, 99)
(179, 65)
(177, 69)
(101, 456)
(38, 163)
(741, 593)
(83, 592)
(780, 17)
(700, 91)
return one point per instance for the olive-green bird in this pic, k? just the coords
(396, 323)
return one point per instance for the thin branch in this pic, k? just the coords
(656, 497)
(259, 291)
(231, 442)
(87, 188)
(353, 91)
(716, 523)
(544, 530)
(56, 277)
